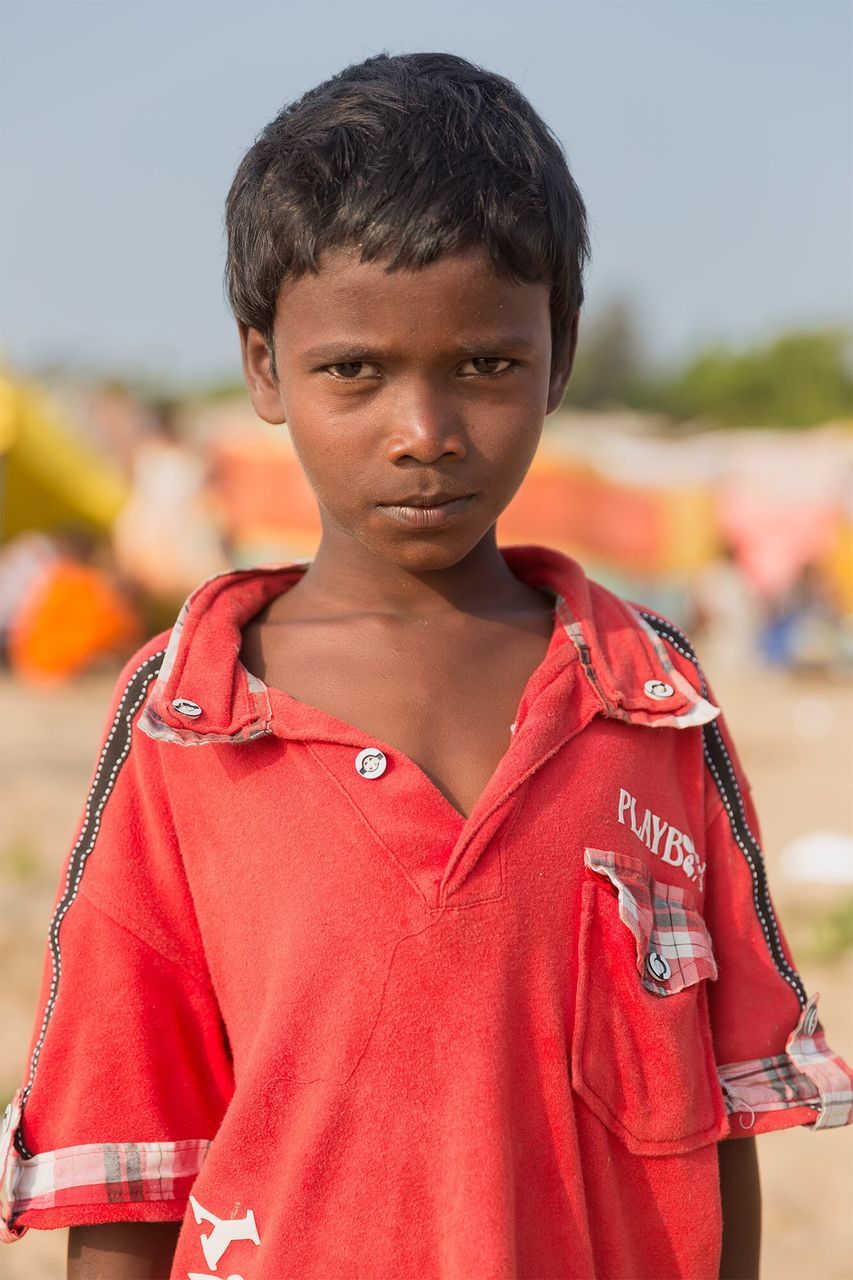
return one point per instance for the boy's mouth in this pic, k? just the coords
(426, 512)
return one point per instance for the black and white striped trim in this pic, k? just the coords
(114, 753)
(723, 772)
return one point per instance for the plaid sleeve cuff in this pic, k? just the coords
(808, 1084)
(103, 1181)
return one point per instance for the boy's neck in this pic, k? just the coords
(345, 577)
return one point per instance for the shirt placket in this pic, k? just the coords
(553, 712)
(410, 818)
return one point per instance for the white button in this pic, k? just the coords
(371, 763)
(658, 689)
(810, 1021)
(658, 966)
(186, 708)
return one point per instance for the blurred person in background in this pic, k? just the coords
(803, 628)
(166, 539)
(725, 613)
(61, 612)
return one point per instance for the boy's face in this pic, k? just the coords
(407, 388)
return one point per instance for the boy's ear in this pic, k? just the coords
(264, 390)
(563, 371)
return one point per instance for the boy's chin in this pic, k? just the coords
(427, 553)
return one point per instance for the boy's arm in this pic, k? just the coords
(122, 1251)
(130, 1067)
(740, 1193)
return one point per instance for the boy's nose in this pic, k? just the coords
(426, 428)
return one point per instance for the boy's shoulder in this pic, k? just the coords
(188, 680)
(645, 665)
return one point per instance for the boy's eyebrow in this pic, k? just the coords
(487, 343)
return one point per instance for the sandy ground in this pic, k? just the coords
(795, 741)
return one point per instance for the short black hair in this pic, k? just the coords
(406, 157)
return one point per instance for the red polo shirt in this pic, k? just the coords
(295, 999)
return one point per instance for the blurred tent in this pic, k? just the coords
(658, 530)
(790, 505)
(48, 479)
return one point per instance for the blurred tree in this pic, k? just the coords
(797, 380)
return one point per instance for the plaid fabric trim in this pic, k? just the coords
(808, 1074)
(100, 1173)
(664, 927)
(8, 1160)
(154, 726)
(700, 710)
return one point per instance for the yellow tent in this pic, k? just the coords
(48, 478)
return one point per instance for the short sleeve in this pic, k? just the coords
(775, 1067)
(129, 1071)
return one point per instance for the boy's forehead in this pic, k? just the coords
(458, 290)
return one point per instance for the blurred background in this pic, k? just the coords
(702, 462)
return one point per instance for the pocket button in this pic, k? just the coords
(658, 689)
(658, 966)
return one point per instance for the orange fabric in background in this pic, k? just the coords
(567, 505)
(71, 616)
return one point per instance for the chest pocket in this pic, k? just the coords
(642, 1057)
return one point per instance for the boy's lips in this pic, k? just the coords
(427, 512)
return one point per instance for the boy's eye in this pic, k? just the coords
(488, 364)
(361, 370)
(352, 370)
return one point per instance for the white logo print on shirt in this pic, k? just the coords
(225, 1232)
(678, 848)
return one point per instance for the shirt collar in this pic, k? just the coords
(204, 694)
(622, 656)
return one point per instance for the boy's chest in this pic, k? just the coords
(447, 704)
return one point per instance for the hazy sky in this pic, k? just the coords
(713, 142)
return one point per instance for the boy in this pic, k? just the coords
(450, 953)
